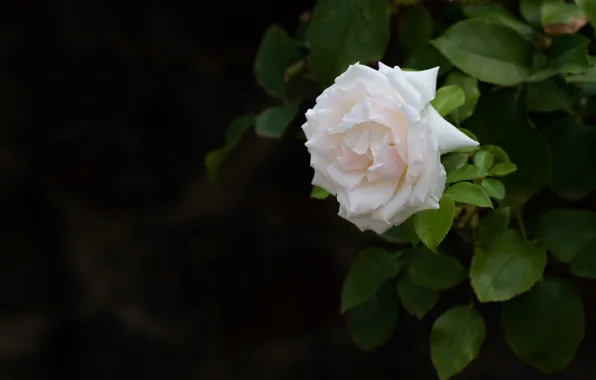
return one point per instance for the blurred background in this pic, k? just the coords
(120, 261)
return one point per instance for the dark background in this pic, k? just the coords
(119, 261)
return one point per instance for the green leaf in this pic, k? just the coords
(559, 17)
(496, 120)
(545, 326)
(493, 225)
(215, 159)
(434, 271)
(416, 28)
(485, 10)
(372, 323)
(484, 160)
(455, 340)
(565, 232)
(531, 11)
(584, 263)
(546, 96)
(454, 161)
(470, 193)
(589, 8)
(372, 268)
(276, 52)
(498, 152)
(503, 169)
(471, 93)
(274, 121)
(568, 54)
(573, 157)
(319, 193)
(488, 51)
(448, 98)
(494, 188)
(433, 225)
(498, 13)
(588, 78)
(470, 135)
(416, 299)
(465, 173)
(402, 234)
(343, 32)
(506, 268)
(427, 58)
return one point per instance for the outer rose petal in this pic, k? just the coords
(402, 86)
(425, 82)
(365, 222)
(366, 77)
(324, 183)
(448, 137)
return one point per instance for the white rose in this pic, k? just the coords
(375, 143)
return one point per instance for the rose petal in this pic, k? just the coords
(365, 222)
(347, 180)
(402, 86)
(365, 76)
(396, 206)
(369, 196)
(425, 82)
(449, 137)
(324, 183)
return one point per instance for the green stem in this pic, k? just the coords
(522, 226)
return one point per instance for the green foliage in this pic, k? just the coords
(484, 160)
(274, 121)
(319, 193)
(503, 169)
(404, 233)
(492, 226)
(566, 232)
(454, 161)
(465, 173)
(427, 58)
(572, 145)
(368, 273)
(568, 54)
(434, 271)
(471, 95)
(448, 98)
(433, 225)
(277, 52)
(559, 12)
(498, 14)
(545, 326)
(416, 299)
(531, 10)
(491, 52)
(546, 96)
(470, 193)
(506, 267)
(416, 29)
(237, 129)
(342, 32)
(372, 323)
(455, 340)
(494, 188)
(589, 9)
(499, 121)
